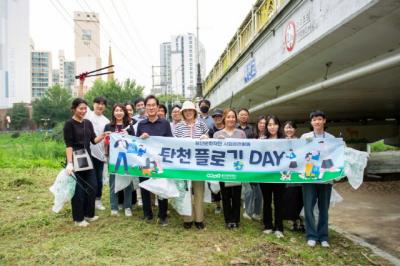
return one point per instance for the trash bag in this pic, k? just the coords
(105, 175)
(63, 190)
(164, 188)
(214, 186)
(122, 181)
(183, 203)
(207, 193)
(354, 164)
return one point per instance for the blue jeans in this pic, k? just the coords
(114, 197)
(311, 194)
(121, 156)
(252, 198)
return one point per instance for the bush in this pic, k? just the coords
(57, 133)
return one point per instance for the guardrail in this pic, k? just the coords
(254, 23)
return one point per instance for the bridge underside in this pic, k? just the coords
(370, 36)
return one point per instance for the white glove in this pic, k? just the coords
(205, 136)
(69, 168)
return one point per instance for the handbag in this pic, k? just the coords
(81, 157)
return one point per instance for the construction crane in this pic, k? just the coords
(92, 73)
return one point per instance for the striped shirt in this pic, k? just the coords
(195, 131)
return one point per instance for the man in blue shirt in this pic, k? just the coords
(153, 126)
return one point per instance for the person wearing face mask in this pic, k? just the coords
(204, 108)
(140, 111)
(98, 158)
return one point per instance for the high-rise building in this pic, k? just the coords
(61, 61)
(178, 59)
(87, 46)
(56, 77)
(66, 72)
(69, 75)
(42, 73)
(165, 67)
(14, 53)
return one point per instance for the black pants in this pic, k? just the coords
(278, 190)
(146, 200)
(98, 171)
(231, 202)
(85, 195)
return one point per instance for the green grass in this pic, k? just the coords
(30, 234)
(380, 146)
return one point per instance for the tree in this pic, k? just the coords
(19, 114)
(114, 92)
(54, 105)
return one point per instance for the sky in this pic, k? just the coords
(136, 28)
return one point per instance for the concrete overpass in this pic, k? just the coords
(291, 57)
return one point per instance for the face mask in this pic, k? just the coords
(204, 109)
(141, 111)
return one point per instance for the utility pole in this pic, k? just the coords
(199, 90)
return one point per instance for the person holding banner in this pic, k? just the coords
(275, 189)
(317, 192)
(153, 126)
(253, 195)
(191, 127)
(293, 198)
(120, 124)
(78, 134)
(231, 192)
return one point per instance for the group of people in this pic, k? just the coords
(87, 131)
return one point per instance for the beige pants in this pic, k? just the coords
(197, 200)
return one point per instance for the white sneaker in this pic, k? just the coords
(114, 213)
(82, 223)
(267, 231)
(325, 244)
(246, 216)
(279, 234)
(128, 212)
(92, 219)
(99, 205)
(256, 217)
(311, 243)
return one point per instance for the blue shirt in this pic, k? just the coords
(160, 127)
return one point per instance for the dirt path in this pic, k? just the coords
(372, 212)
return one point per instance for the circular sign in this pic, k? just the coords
(290, 36)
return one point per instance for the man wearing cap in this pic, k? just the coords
(99, 121)
(218, 124)
(191, 127)
(204, 108)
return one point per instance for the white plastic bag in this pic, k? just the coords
(164, 188)
(354, 164)
(214, 186)
(207, 193)
(122, 181)
(183, 203)
(63, 190)
(105, 175)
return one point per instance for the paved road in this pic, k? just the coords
(372, 212)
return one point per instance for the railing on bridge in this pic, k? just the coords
(254, 23)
